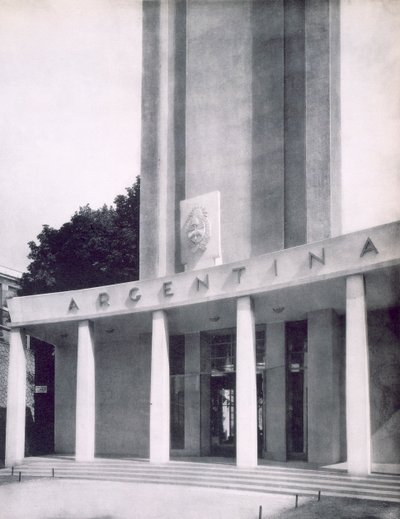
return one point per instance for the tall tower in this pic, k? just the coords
(240, 97)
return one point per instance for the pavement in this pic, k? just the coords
(78, 499)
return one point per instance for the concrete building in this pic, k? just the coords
(9, 286)
(265, 323)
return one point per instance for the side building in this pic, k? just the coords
(9, 286)
(265, 323)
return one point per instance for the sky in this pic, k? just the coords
(70, 85)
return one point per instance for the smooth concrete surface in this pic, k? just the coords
(267, 204)
(323, 371)
(157, 208)
(205, 397)
(65, 399)
(179, 114)
(294, 137)
(192, 394)
(219, 114)
(358, 421)
(150, 138)
(85, 394)
(317, 102)
(123, 395)
(16, 400)
(159, 390)
(275, 422)
(384, 361)
(246, 385)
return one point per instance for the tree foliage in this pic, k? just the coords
(96, 247)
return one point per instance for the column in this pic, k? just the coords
(246, 385)
(276, 392)
(358, 425)
(85, 394)
(323, 371)
(192, 394)
(16, 400)
(159, 390)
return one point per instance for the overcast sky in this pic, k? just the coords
(70, 73)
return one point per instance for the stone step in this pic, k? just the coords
(263, 479)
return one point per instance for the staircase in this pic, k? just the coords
(263, 479)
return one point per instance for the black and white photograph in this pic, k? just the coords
(200, 259)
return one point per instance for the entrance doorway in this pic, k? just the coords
(222, 351)
(296, 338)
(222, 415)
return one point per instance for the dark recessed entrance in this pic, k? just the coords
(296, 341)
(222, 348)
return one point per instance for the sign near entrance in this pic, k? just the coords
(40, 389)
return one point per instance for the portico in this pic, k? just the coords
(113, 367)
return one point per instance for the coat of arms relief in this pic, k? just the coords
(197, 229)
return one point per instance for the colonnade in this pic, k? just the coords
(357, 387)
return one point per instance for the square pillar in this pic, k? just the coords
(358, 424)
(324, 410)
(192, 394)
(85, 394)
(276, 392)
(246, 385)
(205, 370)
(159, 390)
(16, 400)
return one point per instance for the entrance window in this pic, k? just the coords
(223, 355)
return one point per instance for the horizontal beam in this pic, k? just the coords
(355, 253)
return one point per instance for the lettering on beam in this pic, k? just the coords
(312, 257)
(275, 267)
(205, 282)
(368, 247)
(167, 289)
(133, 295)
(239, 271)
(104, 299)
(73, 305)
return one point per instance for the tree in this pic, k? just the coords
(96, 247)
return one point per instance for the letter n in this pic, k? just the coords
(204, 282)
(312, 257)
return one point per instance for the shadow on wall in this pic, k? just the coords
(384, 350)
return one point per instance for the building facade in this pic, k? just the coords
(9, 286)
(265, 323)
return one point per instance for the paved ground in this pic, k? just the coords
(79, 499)
(55, 499)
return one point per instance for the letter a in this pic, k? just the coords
(73, 305)
(368, 247)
